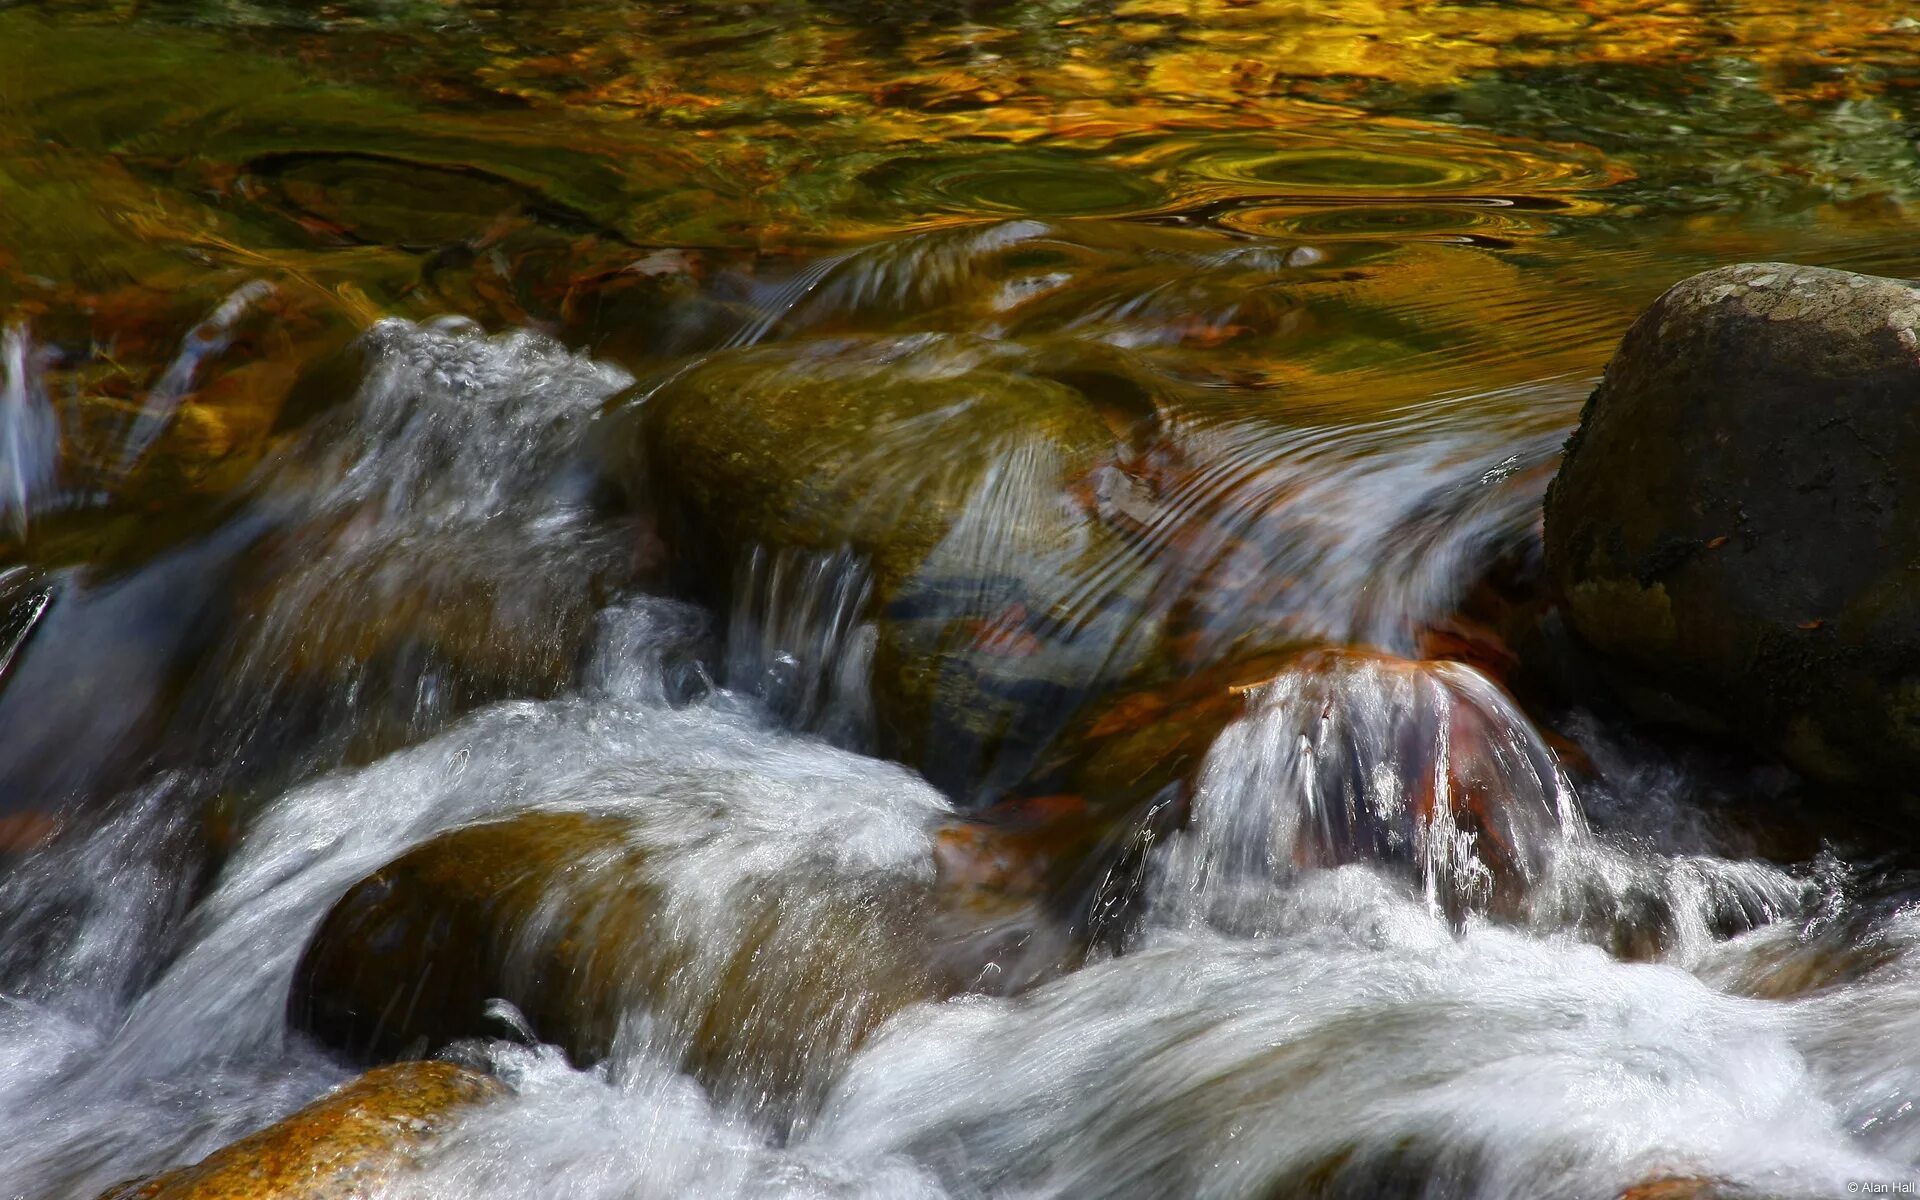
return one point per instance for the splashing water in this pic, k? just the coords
(1356, 759)
(785, 815)
(436, 548)
(795, 639)
(1381, 952)
(29, 435)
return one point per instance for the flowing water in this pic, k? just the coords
(982, 558)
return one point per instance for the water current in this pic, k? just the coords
(988, 557)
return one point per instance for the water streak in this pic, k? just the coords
(208, 339)
(29, 435)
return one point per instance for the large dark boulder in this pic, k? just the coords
(1736, 528)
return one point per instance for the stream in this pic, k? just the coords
(1002, 542)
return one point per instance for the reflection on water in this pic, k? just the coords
(485, 490)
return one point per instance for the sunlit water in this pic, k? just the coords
(299, 572)
(1320, 991)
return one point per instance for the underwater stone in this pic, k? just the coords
(1736, 526)
(958, 471)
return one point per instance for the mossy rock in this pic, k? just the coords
(352, 1139)
(962, 474)
(562, 915)
(877, 445)
(1736, 526)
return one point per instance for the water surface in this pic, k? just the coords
(1289, 869)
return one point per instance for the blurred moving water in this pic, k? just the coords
(1107, 744)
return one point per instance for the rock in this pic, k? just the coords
(1351, 756)
(440, 921)
(761, 990)
(352, 1139)
(967, 476)
(1686, 1187)
(432, 545)
(1735, 527)
(825, 446)
(1132, 744)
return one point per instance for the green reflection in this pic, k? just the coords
(1327, 168)
(1028, 184)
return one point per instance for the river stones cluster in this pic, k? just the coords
(1736, 527)
(349, 1141)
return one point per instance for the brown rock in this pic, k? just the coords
(969, 478)
(559, 914)
(1682, 1187)
(335, 1148)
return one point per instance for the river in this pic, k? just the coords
(1026, 518)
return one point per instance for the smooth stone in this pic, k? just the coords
(966, 476)
(353, 1139)
(1394, 759)
(558, 913)
(1735, 528)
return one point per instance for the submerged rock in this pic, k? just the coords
(594, 928)
(342, 1144)
(1426, 768)
(969, 478)
(1735, 528)
(430, 547)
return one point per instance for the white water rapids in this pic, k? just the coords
(1291, 1010)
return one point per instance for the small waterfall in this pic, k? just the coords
(763, 848)
(1375, 946)
(796, 642)
(29, 435)
(434, 546)
(1427, 768)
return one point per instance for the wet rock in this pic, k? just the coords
(25, 596)
(965, 476)
(645, 304)
(760, 990)
(1685, 1187)
(439, 922)
(1734, 528)
(1131, 745)
(878, 445)
(352, 1139)
(431, 545)
(1350, 756)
